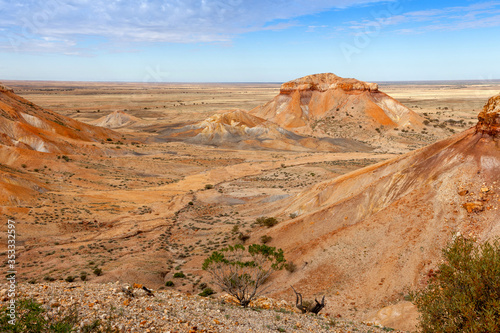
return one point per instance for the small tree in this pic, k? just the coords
(464, 294)
(242, 272)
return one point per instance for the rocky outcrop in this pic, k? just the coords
(489, 118)
(325, 81)
(326, 105)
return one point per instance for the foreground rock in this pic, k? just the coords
(170, 311)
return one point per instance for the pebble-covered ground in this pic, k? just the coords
(171, 311)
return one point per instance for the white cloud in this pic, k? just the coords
(478, 15)
(177, 21)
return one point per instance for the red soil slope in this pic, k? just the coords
(26, 125)
(28, 134)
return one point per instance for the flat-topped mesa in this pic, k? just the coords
(489, 118)
(325, 81)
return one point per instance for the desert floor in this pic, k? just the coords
(156, 209)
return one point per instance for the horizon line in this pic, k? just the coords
(247, 82)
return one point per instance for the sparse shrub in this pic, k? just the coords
(209, 186)
(70, 278)
(190, 203)
(48, 278)
(265, 239)
(236, 229)
(179, 275)
(98, 271)
(109, 139)
(23, 166)
(267, 221)
(242, 272)
(243, 238)
(66, 158)
(463, 295)
(83, 276)
(169, 283)
(206, 292)
(291, 267)
(293, 215)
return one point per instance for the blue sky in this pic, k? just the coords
(248, 41)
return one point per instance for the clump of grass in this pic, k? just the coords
(265, 239)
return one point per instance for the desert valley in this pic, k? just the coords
(140, 181)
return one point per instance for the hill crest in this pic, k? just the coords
(325, 81)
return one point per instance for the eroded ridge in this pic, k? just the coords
(489, 118)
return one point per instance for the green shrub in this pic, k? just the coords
(169, 284)
(207, 292)
(464, 294)
(179, 275)
(267, 221)
(242, 272)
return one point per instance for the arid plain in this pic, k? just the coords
(147, 203)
